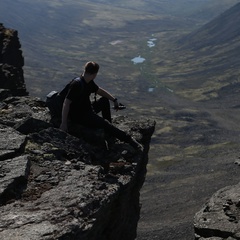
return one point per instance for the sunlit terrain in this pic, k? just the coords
(134, 43)
(137, 44)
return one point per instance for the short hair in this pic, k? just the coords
(91, 67)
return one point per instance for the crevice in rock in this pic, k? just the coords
(13, 191)
(13, 153)
(207, 233)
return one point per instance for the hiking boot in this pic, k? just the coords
(135, 144)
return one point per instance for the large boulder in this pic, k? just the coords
(54, 185)
(220, 217)
(11, 62)
(57, 186)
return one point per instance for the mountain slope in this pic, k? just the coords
(222, 30)
(205, 64)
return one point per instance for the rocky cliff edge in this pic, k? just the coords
(220, 217)
(11, 62)
(57, 186)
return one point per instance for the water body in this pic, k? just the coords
(138, 59)
(151, 42)
(151, 89)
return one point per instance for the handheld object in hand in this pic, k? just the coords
(120, 107)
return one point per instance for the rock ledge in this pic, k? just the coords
(56, 186)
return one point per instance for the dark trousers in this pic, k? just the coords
(92, 120)
(102, 105)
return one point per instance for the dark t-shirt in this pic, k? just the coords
(79, 93)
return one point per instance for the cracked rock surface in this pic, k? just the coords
(57, 186)
(220, 217)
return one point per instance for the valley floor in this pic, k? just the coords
(175, 190)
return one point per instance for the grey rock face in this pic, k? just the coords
(11, 62)
(11, 142)
(220, 217)
(57, 186)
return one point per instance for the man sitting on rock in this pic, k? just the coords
(78, 108)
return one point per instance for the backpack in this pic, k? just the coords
(54, 103)
(54, 100)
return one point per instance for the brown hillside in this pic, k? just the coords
(223, 29)
(205, 65)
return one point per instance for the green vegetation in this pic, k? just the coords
(58, 37)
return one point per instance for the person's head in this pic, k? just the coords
(91, 68)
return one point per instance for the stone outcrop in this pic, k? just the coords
(56, 186)
(220, 217)
(11, 62)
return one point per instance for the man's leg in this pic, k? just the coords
(94, 121)
(94, 136)
(103, 105)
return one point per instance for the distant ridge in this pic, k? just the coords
(207, 65)
(223, 29)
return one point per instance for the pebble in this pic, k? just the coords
(237, 162)
(124, 152)
(67, 163)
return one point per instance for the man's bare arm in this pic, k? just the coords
(65, 111)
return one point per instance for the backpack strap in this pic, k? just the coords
(65, 90)
(80, 80)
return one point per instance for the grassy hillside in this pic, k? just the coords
(204, 65)
(192, 93)
(224, 29)
(64, 35)
(59, 36)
